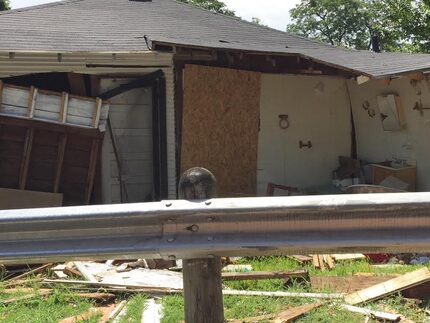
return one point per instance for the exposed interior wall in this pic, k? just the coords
(220, 126)
(131, 119)
(318, 110)
(411, 143)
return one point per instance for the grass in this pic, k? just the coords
(62, 303)
(237, 307)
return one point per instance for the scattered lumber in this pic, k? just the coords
(346, 284)
(102, 297)
(293, 313)
(32, 272)
(256, 275)
(161, 290)
(389, 287)
(119, 286)
(320, 261)
(377, 314)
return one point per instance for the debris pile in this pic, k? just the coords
(108, 283)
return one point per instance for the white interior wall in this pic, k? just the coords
(375, 144)
(319, 110)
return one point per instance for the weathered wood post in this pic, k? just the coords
(202, 277)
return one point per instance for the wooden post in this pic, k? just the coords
(202, 277)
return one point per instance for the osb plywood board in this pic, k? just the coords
(221, 112)
(18, 199)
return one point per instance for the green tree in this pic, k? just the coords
(258, 21)
(212, 5)
(390, 25)
(4, 5)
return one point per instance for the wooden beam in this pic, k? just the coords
(26, 156)
(389, 287)
(64, 106)
(92, 170)
(32, 102)
(293, 313)
(97, 112)
(60, 161)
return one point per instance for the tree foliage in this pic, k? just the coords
(212, 5)
(389, 25)
(4, 5)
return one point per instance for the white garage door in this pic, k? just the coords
(131, 119)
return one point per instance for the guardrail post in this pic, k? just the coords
(202, 277)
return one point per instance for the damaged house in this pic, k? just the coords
(109, 101)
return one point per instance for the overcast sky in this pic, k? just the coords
(273, 13)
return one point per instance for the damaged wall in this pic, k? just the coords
(318, 111)
(411, 143)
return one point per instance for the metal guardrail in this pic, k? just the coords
(219, 227)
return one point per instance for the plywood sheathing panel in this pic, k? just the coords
(220, 126)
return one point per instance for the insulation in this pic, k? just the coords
(220, 126)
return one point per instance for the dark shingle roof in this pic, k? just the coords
(121, 25)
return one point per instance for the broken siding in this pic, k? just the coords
(131, 119)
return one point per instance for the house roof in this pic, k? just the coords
(127, 26)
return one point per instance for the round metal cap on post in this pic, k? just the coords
(202, 277)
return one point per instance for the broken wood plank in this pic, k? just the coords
(32, 102)
(63, 108)
(329, 261)
(321, 262)
(255, 275)
(105, 297)
(60, 161)
(97, 112)
(31, 272)
(26, 155)
(391, 286)
(294, 313)
(315, 261)
(376, 314)
(118, 309)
